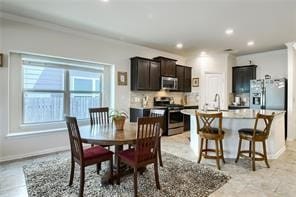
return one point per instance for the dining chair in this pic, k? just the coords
(207, 132)
(99, 116)
(254, 135)
(84, 157)
(144, 151)
(159, 113)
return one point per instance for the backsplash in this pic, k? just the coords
(245, 98)
(136, 99)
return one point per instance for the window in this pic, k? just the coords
(50, 91)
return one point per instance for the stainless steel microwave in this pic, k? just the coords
(169, 83)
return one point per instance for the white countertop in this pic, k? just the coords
(237, 113)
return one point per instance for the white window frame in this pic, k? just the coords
(15, 88)
(66, 92)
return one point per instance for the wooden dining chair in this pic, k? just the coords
(145, 150)
(84, 157)
(159, 113)
(208, 132)
(99, 115)
(254, 135)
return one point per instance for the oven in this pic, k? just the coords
(175, 121)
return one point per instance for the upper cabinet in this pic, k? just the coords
(167, 66)
(145, 74)
(241, 76)
(183, 73)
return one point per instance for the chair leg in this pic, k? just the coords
(111, 170)
(200, 150)
(250, 149)
(239, 149)
(72, 171)
(222, 151)
(99, 167)
(253, 155)
(265, 154)
(217, 155)
(118, 171)
(82, 174)
(135, 182)
(156, 174)
(159, 153)
(206, 152)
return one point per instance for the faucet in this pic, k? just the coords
(217, 99)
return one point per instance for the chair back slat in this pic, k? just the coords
(147, 138)
(74, 137)
(207, 120)
(99, 116)
(267, 120)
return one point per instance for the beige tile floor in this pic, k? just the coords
(279, 180)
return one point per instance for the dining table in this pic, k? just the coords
(108, 135)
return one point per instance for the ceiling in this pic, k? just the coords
(199, 24)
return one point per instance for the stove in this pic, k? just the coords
(174, 118)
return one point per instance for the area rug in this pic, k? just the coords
(178, 177)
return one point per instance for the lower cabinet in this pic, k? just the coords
(136, 113)
(187, 118)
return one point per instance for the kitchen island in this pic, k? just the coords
(233, 120)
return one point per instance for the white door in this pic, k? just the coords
(214, 84)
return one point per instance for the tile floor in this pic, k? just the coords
(279, 180)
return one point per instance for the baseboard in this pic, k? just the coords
(33, 154)
(277, 154)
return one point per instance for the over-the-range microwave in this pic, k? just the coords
(169, 83)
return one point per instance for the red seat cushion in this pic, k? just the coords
(129, 155)
(96, 151)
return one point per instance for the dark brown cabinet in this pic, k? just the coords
(187, 79)
(180, 73)
(167, 66)
(145, 74)
(241, 76)
(183, 73)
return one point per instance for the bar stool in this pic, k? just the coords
(254, 135)
(207, 132)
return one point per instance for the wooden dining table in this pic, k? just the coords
(108, 135)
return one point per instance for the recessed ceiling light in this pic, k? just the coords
(203, 53)
(104, 0)
(229, 31)
(179, 45)
(250, 43)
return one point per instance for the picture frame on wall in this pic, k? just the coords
(195, 82)
(122, 78)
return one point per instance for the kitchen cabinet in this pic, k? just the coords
(187, 79)
(187, 117)
(136, 113)
(241, 76)
(180, 74)
(145, 74)
(167, 66)
(183, 73)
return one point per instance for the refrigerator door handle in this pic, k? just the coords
(263, 97)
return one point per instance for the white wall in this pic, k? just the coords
(212, 63)
(273, 63)
(19, 34)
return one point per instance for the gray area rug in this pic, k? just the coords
(178, 177)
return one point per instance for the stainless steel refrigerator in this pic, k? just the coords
(270, 94)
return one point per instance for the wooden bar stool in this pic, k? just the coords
(207, 132)
(254, 135)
